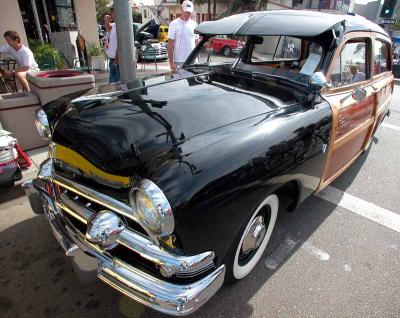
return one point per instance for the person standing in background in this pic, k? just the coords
(112, 47)
(181, 37)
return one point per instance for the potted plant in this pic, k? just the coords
(97, 57)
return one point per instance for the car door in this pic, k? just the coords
(383, 79)
(353, 100)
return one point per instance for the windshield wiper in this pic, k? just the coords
(196, 65)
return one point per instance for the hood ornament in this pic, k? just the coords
(104, 229)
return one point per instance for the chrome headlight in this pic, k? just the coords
(152, 208)
(42, 124)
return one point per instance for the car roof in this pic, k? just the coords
(300, 23)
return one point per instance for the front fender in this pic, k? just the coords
(221, 177)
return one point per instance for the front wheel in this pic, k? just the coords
(252, 240)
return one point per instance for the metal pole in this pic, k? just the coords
(126, 48)
(35, 14)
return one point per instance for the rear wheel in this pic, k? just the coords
(252, 240)
(226, 51)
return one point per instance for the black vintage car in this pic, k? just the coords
(148, 47)
(172, 184)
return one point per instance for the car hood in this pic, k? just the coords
(152, 27)
(120, 134)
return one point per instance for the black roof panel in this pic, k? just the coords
(285, 22)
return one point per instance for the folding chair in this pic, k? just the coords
(9, 84)
(148, 53)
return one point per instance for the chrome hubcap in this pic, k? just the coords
(254, 235)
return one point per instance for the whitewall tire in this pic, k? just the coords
(254, 237)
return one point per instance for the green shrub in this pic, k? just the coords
(42, 52)
(93, 49)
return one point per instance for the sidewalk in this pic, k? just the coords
(101, 77)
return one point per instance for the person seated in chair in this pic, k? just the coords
(22, 55)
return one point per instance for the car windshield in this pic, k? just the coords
(219, 50)
(285, 57)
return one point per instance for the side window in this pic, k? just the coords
(381, 63)
(352, 64)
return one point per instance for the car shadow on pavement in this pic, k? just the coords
(37, 280)
(8, 194)
(293, 228)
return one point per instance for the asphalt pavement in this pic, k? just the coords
(337, 255)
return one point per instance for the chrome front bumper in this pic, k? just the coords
(166, 297)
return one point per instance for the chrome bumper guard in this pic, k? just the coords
(166, 297)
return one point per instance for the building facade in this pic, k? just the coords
(55, 21)
(170, 9)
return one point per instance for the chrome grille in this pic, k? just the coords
(87, 206)
(78, 204)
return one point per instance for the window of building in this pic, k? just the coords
(61, 15)
(382, 52)
(145, 13)
(352, 65)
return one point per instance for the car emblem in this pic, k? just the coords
(104, 229)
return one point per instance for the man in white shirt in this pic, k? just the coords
(181, 37)
(22, 55)
(356, 76)
(112, 48)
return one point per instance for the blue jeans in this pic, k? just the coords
(114, 72)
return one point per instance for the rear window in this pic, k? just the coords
(276, 48)
(382, 52)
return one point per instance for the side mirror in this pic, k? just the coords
(359, 94)
(318, 81)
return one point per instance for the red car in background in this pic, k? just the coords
(227, 47)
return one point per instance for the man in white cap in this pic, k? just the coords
(181, 37)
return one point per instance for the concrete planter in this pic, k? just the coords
(17, 115)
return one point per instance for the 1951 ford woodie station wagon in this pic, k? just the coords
(173, 183)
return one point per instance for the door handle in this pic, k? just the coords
(358, 94)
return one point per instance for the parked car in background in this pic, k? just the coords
(163, 33)
(226, 46)
(171, 185)
(147, 43)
